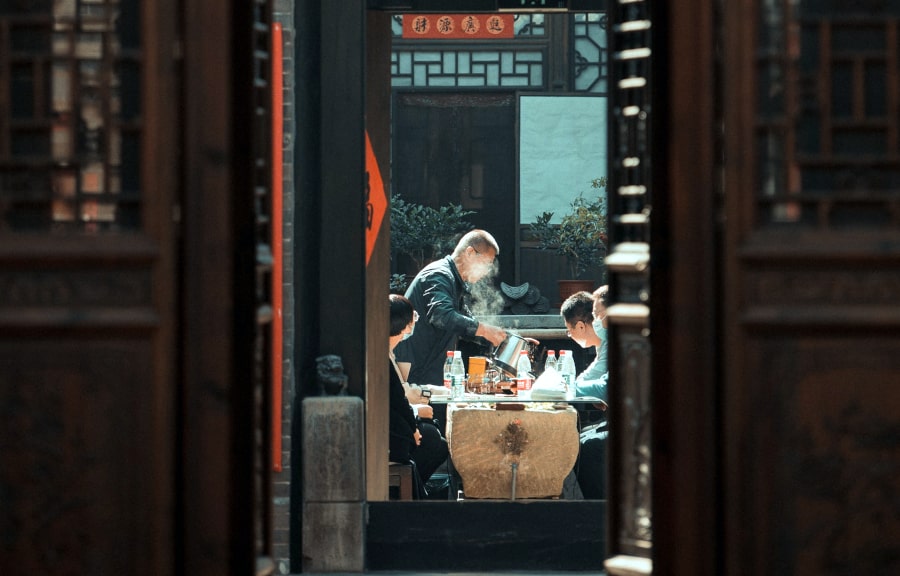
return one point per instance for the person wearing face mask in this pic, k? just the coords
(598, 367)
(582, 326)
(412, 439)
(585, 317)
(437, 293)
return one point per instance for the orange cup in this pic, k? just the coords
(477, 366)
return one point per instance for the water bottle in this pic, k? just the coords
(524, 377)
(566, 369)
(457, 376)
(550, 362)
(448, 363)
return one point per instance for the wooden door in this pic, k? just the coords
(134, 279)
(224, 522)
(766, 416)
(773, 311)
(812, 312)
(88, 288)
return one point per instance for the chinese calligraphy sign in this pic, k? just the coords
(457, 26)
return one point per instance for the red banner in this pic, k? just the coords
(277, 241)
(457, 26)
(376, 199)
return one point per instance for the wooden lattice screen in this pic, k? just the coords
(70, 116)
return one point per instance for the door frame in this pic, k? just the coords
(559, 535)
(683, 282)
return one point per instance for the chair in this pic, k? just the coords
(400, 476)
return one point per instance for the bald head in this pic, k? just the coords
(475, 254)
(480, 240)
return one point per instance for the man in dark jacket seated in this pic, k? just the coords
(412, 440)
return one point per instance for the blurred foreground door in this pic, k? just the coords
(88, 324)
(134, 277)
(812, 276)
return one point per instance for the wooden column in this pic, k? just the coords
(378, 127)
(330, 225)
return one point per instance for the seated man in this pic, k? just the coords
(578, 313)
(585, 318)
(591, 466)
(413, 439)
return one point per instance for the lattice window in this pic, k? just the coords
(828, 119)
(590, 53)
(468, 68)
(520, 62)
(70, 115)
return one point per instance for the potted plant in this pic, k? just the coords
(580, 237)
(424, 233)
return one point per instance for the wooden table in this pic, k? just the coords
(525, 452)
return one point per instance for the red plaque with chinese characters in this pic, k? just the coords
(457, 26)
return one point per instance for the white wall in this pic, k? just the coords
(562, 147)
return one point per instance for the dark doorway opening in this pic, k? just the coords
(460, 149)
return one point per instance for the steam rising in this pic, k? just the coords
(485, 298)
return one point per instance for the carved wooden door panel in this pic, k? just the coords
(87, 287)
(812, 314)
(135, 277)
(772, 283)
(631, 195)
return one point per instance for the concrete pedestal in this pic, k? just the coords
(334, 490)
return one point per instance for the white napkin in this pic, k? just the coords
(549, 386)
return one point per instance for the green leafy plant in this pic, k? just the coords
(581, 236)
(424, 233)
(399, 283)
